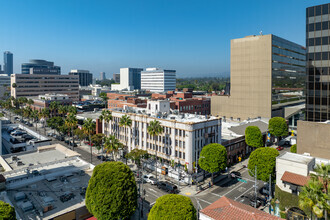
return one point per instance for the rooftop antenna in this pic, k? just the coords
(260, 33)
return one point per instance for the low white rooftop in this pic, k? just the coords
(298, 158)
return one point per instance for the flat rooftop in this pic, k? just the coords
(298, 158)
(55, 184)
(93, 115)
(175, 115)
(232, 129)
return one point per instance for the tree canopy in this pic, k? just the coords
(7, 211)
(293, 148)
(253, 137)
(172, 206)
(137, 155)
(111, 191)
(265, 160)
(278, 127)
(213, 158)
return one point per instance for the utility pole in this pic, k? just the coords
(270, 193)
(255, 186)
(198, 208)
(196, 170)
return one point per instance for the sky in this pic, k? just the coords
(189, 36)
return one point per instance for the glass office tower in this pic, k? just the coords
(318, 75)
(8, 63)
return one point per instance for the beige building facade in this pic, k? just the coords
(255, 62)
(29, 85)
(313, 138)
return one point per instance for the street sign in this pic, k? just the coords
(241, 180)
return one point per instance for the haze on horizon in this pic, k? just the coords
(192, 37)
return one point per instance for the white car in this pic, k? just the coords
(150, 179)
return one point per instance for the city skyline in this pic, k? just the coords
(106, 36)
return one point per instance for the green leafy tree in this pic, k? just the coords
(278, 127)
(155, 129)
(136, 155)
(293, 148)
(105, 98)
(174, 207)
(253, 137)
(125, 122)
(72, 110)
(265, 160)
(62, 110)
(7, 211)
(44, 114)
(97, 140)
(89, 129)
(55, 122)
(213, 158)
(111, 191)
(53, 106)
(80, 134)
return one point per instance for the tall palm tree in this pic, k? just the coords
(112, 145)
(30, 102)
(126, 122)
(62, 110)
(155, 129)
(71, 121)
(89, 128)
(323, 176)
(44, 114)
(309, 198)
(34, 115)
(27, 112)
(53, 107)
(105, 98)
(72, 110)
(106, 116)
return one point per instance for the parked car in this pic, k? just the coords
(50, 134)
(285, 144)
(279, 148)
(235, 174)
(253, 202)
(73, 144)
(150, 179)
(168, 187)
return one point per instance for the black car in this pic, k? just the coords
(168, 187)
(235, 174)
(253, 201)
(73, 144)
(60, 138)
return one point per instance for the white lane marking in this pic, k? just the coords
(244, 193)
(152, 203)
(204, 201)
(233, 188)
(153, 190)
(215, 194)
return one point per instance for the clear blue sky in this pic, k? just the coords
(190, 36)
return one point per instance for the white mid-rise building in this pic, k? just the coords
(183, 138)
(130, 79)
(158, 80)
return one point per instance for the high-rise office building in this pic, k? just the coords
(116, 77)
(28, 85)
(130, 79)
(40, 67)
(258, 67)
(8, 63)
(85, 77)
(158, 80)
(102, 76)
(318, 63)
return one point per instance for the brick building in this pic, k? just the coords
(43, 101)
(118, 100)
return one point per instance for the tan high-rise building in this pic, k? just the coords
(28, 85)
(257, 64)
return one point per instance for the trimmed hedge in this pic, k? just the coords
(287, 200)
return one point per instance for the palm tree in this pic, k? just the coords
(44, 114)
(72, 110)
(112, 144)
(30, 102)
(107, 117)
(34, 116)
(323, 176)
(71, 121)
(126, 122)
(62, 110)
(310, 196)
(27, 112)
(154, 129)
(89, 128)
(53, 107)
(105, 98)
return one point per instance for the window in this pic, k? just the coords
(176, 153)
(156, 107)
(184, 133)
(184, 144)
(180, 133)
(184, 156)
(180, 154)
(180, 144)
